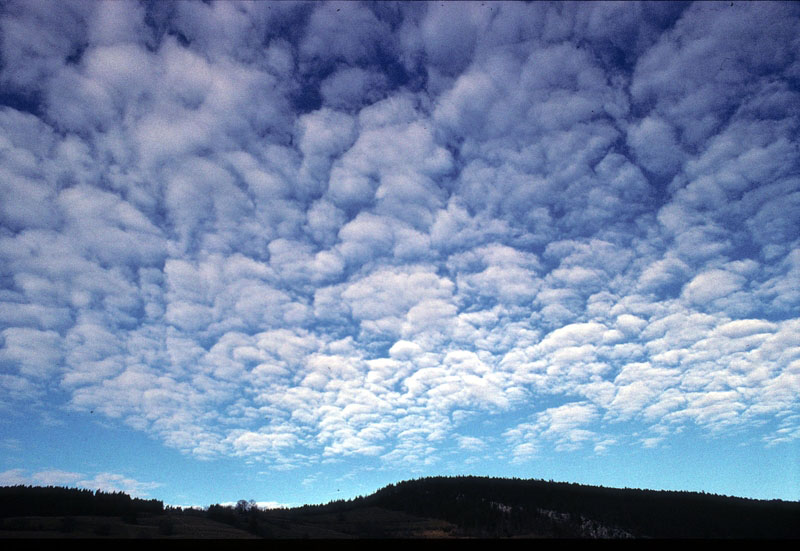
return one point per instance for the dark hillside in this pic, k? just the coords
(505, 507)
(58, 501)
(441, 507)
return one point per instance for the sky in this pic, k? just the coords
(294, 252)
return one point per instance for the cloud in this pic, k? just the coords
(247, 232)
(324, 40)
(107, 482)
(654, 142)
(352, 87)
(471, 443)
(56, 478)
(37, 353)
(13, 477)
(112, 482)
(712, 285)
(562, 425)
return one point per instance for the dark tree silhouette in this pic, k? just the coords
(58, 501)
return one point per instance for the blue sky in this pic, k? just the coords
(293, 252)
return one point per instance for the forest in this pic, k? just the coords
(55, 500)
(436, 507)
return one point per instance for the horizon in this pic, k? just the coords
(271, 505)
(295, 251)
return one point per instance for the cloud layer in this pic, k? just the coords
(247, 233)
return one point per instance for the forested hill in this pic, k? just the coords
(497, 507)
(424, 508)
(59, 501)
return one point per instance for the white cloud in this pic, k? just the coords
(245, 232)
(655, 145)
(351, 87)
(471, 443)
(56, 478)
(709, 286)
(108, 482)
(562, 425)
(38, 354)
(13, 477)
(112, 482)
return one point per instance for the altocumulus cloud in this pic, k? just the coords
(242, 231)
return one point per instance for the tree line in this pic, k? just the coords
(59, 501)
(497, 507)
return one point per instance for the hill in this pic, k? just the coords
(512, 507)
(438, 507)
